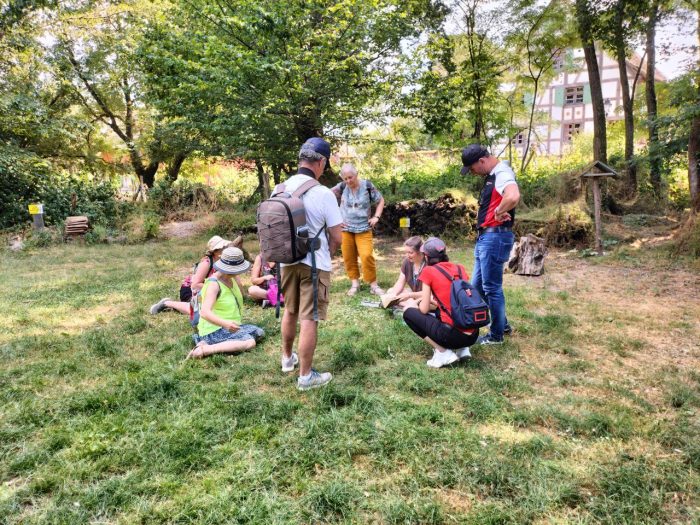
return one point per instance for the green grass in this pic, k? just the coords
(103, 421)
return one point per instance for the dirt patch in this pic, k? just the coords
(185, 229)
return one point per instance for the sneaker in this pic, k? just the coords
(463, 353)
(159, 306)
(441, 359)
(313, 380)
(507, 330)
(265, 303)
(488, 339)
(289, 364)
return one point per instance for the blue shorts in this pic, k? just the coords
(247, 331)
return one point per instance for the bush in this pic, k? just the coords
(43, 238)
(151, 225)
(182, 199)
(25, 178)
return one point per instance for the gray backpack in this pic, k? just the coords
(283, 232)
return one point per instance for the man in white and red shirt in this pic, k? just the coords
(499, 196)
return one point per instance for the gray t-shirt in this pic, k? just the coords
(321, 208)
(356, 206)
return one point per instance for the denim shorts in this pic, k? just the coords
(247, 331)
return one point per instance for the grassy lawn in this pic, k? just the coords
(589, 414)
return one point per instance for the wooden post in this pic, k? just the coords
(37, 213)
(405, 225)
(596, 214)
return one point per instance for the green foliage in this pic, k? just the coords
(25, 179)
(151, 225)
(182, 199)
(277, 73)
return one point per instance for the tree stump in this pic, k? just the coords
(527, 256)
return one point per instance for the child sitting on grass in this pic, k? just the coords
(220, 329)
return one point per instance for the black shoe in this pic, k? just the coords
(507, 330)
(488, 339)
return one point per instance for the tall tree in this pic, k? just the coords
(694, 139)
(586, 23)
(622, 27)
(541, 33)
(654, 145)
(95, 55)
(257, 78)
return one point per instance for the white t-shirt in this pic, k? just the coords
(321, 207)
(504, 176)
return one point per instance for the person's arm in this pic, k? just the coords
(424, 304)
(335, 238)
(509, 200)
(200, 275)
(207, 309)
(378, 213)
(255, 273)
(399, 285)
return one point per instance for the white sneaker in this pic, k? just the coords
(313, 380)
(289, 364)
(463, 353)
(441, 359)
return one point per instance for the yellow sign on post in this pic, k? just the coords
(405, 222)
(36, 209)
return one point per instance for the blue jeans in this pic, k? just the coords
(490, 254)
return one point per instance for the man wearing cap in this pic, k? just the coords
(322, 211)
(499, 196)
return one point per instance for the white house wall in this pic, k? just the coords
(549, 138)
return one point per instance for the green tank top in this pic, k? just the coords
(227, 306)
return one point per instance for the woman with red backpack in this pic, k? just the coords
(449, 342)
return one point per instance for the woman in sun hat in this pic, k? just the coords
(220, 329)
(450, 344)
(193, 282)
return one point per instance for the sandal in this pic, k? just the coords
(352, 291)
(376, 290)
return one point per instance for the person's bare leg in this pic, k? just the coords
(182, 307)
(257, 293)
(289, 332)
(225, 347)
(307, 345)
(434, 344)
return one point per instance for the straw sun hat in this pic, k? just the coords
(217, 243)
(232, 262)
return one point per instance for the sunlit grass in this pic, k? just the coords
(579, 418)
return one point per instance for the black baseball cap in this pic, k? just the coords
(471, 154)
(433, 247)
(320, 146)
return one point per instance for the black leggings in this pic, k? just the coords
(426, 325)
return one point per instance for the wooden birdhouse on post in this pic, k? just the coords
(594, 172)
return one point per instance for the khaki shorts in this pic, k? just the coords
(298, 291)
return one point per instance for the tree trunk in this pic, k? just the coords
(523, 162)
(618, 39)
(600, 142)
(584, 20)
(527, 256)
(263, 180)
(174, 166)
(693, 160)
(276, 173)
(654, 158)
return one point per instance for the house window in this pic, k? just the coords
(520, 139)
(558, 62)
(571, 129)
(574, 95)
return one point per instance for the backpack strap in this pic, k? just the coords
(451, 279)
(299, 192)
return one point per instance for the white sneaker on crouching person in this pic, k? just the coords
(289, 363)
(159, 306)
(441, 359)
(463, 353)
(313, 380)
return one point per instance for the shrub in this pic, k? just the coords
(151, 225)
(182, 199)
